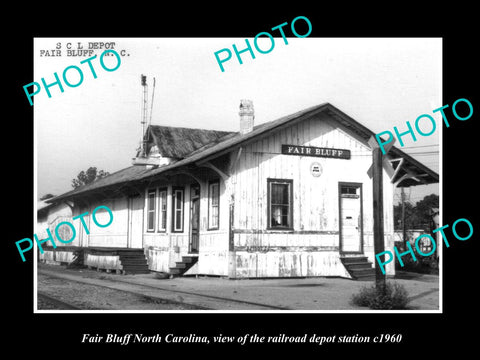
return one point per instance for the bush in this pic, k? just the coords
(392, 297)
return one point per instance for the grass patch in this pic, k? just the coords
(392, 297)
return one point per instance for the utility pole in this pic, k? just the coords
(404, 228)
(378, 230)
(375, 172)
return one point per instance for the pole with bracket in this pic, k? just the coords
(378, 231)
(376, 171)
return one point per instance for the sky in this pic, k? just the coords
(380, 82)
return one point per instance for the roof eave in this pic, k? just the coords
(236, 140)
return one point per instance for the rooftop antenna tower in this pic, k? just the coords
(151, 104)
(143, 150)
(141, 158)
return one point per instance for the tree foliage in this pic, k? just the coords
(418, 216)
(88, 176)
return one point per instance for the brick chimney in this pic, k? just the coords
(246, 116)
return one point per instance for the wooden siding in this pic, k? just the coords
(114, 235)
(289, 264)
(250, 249)
(56, 215)
(213, 255)
(315, 201)
(103, 261)
(56, 257)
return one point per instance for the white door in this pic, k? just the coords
(350, 218)
(135, 222)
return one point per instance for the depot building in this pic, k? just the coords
(286, 198)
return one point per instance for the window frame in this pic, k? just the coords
(289, 183)
(210, 204)
(162, 213)
(174, 210)
(154, 210)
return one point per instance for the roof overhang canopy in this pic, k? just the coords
(408, 171)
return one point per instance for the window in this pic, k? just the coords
(280, 204)
(350, 191)
(177, 225)
(213, 205)
(162, 210)
(151, 210)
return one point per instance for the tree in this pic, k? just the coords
(418, 215)
(89, 176)
(424, 207)
(409, 216)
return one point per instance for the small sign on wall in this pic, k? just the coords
(316, 169)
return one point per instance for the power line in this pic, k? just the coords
(424, 153)
(419, 146)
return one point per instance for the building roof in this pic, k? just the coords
(204, 145)
(179, 142)
(42, 207)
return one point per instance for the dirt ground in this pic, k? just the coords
(91, 297)
(153, 293)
